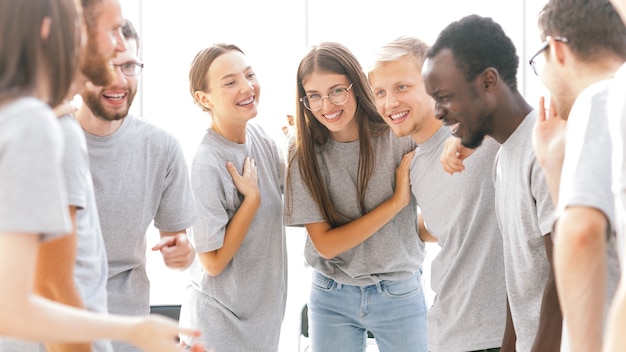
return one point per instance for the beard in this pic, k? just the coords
(95, 66)
(473, 141)
(93, 100)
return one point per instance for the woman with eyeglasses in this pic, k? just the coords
(348, 185)
(238, 287)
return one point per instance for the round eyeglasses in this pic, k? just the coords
(536, 60)
(336, 96)
(130, 68)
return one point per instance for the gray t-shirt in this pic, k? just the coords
(525, 214)
(90, 271)
(32, 191)
(586, 173)
(469, 309)
(242, 308)
(394, 252)
(139, 175)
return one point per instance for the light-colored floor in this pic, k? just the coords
(167, 286)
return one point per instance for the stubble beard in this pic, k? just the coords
(95, 104)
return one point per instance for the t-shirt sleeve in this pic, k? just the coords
(75, 163)
(541, 194)
(216, 199)
(31, 180)
(176, 210)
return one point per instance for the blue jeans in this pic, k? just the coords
(394, 311)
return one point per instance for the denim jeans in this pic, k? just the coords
(394, 311)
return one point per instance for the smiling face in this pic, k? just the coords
(339, 119)
(113, 102)
(401, 97)
(458, 103)
(233, 89)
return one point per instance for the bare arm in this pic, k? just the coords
(54, 278)
(330, 242)
(580, 269)
(424, 234)
(548, 336)
(615, 337)
(39, 319)
(510, 338)
(247, 184)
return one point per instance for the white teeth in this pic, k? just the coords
(333, 116)
(246, 102)
(114, 96)
(398, 115)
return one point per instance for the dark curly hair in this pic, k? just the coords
(478, 43)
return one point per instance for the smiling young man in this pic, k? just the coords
(469, 310)
(140, 175)
(470, 72)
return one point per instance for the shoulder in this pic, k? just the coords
(29, 116)
(151, 133)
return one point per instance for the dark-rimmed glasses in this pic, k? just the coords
(130, 68)
(533, 60)
(336, 96)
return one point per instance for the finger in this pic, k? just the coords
(189, 332)
(180, 240)
(164, 242)
(553, 112)
(252, 169)
(232, 170)
(542, 109)
(407, 159)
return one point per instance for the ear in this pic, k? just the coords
(559, 50)
(203, 99)
(45, 27)
(490, 77)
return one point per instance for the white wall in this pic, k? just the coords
(275, 34)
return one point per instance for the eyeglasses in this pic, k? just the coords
(336, 96)
(130, 68)
(534, 62)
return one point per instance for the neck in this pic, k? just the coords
(235, 133)
(95, 125)
(511, 110)
(427, 130)
(583, 75)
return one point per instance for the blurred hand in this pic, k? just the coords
(549, 137)
(177, 251)
(453, 155)
(156, 333)
(288, 129)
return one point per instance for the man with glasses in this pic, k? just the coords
(470, 72)
(585, 44)
(140, 175)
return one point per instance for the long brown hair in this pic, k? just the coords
(312, 136)
(23, 52)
